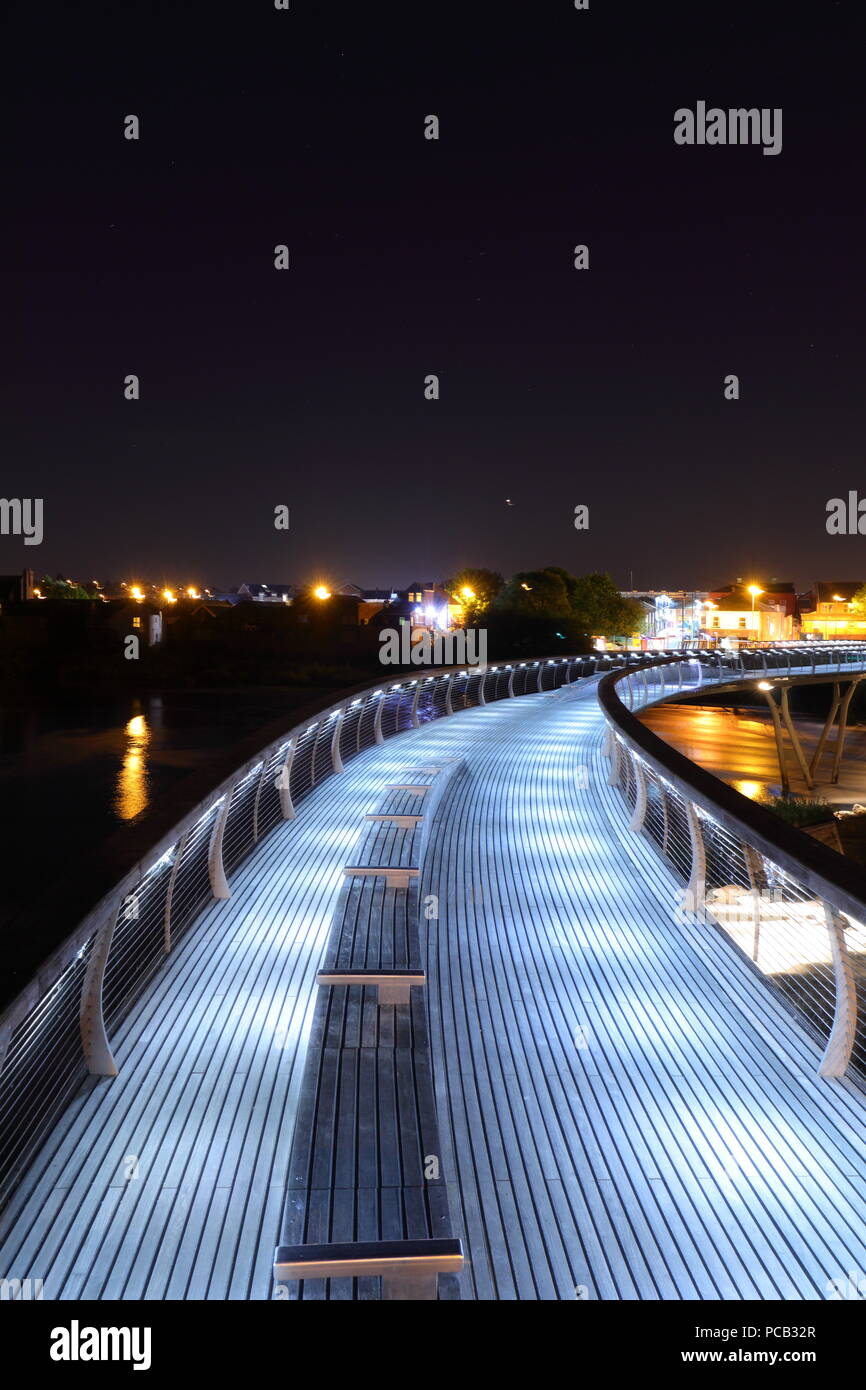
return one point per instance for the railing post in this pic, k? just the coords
(840, 1043)
(377, 722)
(94, 1039)
(282, 781)
(166, 916)
(482, 698)
(336, 760)
(416, 722)
(640, 803)
(694, 896)
(215, 867)
(666, 818)
(613, 772)
(449, 708)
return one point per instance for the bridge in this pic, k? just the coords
(621, 1010)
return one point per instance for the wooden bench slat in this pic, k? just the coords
(354, 1259)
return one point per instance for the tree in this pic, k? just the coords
(601, 609)
(858, 602)
(537, 592)
(484, 586)
(58, 587)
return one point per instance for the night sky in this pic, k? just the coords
(410, 257)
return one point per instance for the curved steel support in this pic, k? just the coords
(416, 722)
(640, 804)
(377, 722)
(795, 740)
(283, 783)
(840, 1043)
(694, 896)
(613, 772)
(336, 760)
(511, 683)
(840, 734)
(94, 1039)
(449, 708)
(219, 884)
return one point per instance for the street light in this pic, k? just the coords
(321, 592)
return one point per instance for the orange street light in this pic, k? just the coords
(321, 592)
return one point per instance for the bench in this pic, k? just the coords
(409, 1269)
(366, 1200)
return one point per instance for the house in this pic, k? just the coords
(746, 613)
(828, 612)
(138, 617)
(17, 588)
(267, 593)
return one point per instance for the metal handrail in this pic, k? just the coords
(133, 928)
(770, 849)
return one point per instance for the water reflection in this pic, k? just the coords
(133, 782)
(753, 790)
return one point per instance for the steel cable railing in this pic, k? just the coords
(794, 907)
(58, 1028)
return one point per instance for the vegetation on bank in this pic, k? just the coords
(81, 644)
(799, 811)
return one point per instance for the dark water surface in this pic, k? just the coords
(74, 772)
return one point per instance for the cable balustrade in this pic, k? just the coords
(58, 1030)
(792, 906)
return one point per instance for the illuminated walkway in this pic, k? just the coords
(626, 1111)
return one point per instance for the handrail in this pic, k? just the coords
(775, 868)
(58, 1026)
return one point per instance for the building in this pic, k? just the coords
(17, 588)
(748, 615)
(828, 612)
(672, 616)
(267, 593)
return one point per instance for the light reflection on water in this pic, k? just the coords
(754, 790)
(132, 793)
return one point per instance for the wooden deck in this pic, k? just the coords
(625, 1111)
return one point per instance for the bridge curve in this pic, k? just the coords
(626, 1110)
